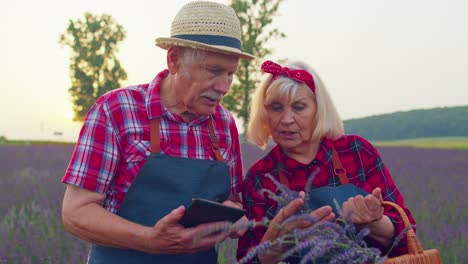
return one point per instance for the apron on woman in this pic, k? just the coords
(326, 195)
(163, 184)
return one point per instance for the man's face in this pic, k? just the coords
(201, 85)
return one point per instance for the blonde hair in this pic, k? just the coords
(327, 120)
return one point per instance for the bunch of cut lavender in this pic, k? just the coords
(324, 242)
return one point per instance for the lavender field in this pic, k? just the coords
(433, 181)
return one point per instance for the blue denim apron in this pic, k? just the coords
(163, 184)
(326, 195)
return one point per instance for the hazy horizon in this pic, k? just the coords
(375, 56)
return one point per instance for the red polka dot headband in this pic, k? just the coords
(298, 75)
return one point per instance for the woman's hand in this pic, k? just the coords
(238, 229)
(367, 212)
(274, 230)
(364, 210)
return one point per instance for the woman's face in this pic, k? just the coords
(292, 121)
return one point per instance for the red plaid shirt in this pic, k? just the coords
(364, 168)
(114, 142)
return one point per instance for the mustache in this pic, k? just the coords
(213, 95)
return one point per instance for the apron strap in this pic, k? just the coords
(214, 141)
(337, 169)
(283, 178)
(155, 138)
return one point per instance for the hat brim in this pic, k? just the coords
(166, 43)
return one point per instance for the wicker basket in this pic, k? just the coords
(416, 254)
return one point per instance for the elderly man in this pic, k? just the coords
(145, 150)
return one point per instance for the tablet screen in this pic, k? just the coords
(205, 211)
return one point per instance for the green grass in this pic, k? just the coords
(435, 142)
(33, 142)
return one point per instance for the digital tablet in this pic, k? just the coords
(205, 211)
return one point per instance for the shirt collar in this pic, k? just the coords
(324, 156)
(154, 107)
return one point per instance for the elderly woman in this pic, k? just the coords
(293, 107)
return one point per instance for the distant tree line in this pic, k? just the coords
(435, 122)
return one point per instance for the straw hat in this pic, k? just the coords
(206, 25)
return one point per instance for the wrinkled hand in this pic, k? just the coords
(167, 236)
(236, 231)
(274, 230)
(364, 210)
(239, 228)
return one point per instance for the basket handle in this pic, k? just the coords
(414, 246)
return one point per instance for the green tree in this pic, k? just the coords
(94, 67)
(255, 17)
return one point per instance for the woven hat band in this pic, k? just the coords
(207, 26)
(212, 40)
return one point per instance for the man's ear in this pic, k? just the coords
(173, 57)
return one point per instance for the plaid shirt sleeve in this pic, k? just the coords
(95, 158)
(255, 204)
(378, 175)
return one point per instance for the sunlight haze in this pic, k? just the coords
(375, 56)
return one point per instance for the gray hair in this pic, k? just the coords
(189, 57)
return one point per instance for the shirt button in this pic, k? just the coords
(148, 153)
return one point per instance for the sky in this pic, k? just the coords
(374, 56)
